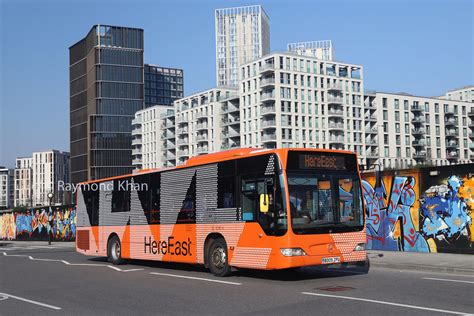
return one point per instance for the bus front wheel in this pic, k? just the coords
(114, 250)
(218, 259)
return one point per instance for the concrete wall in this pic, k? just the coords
(423, 210)
(36, 223)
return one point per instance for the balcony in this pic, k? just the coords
(137, 141)
(268, 124)
(168, 135)
(181, 120)
(452, 155)
(471, 146)
(269, 137)
(418, 120)
(452, 144)
(471, 113)
(418, 143)
(335, 87)
(201, 115)
(202, 138)
(372, 154)
(336, 113)
(336, 140)
(420, 155)
(268, 110)
(136, 151)
(370, 118)
(267, 96)
(471, 125)
(226, 121)
(334, 100)
(452, 133)
(336, 127)
(267, 67)
(415, 108)
(229, 109)
(202, 150)
(449, 112)
(182, 141)
(371, 130)
(267, 82)
(184, 152)
(231, 133)
(202, 126)
(418, 131)
(450, 122)
(137, 161)
(183, 130)
(371, 142)
(136, 131)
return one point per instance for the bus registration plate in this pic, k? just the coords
(327, 260)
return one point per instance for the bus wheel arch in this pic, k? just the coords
(114, 249)
(216, 255)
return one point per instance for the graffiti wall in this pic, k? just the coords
(423, 210)
(38, 223)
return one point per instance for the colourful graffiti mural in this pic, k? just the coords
(37, 224)
(409, 217)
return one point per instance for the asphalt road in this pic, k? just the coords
(51, 280)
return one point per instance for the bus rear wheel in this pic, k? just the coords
(218, 258)
(114, 250)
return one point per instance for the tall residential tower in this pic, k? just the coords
(106, 89)
(242, 35)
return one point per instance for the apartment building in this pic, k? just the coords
(205, 122)
(419, 130)
(50, 168)
(318, 49)
(148, 139)
(291, 100)
(163, 85)
(6, 181)
(23, 182)
(463, 94)
(242, 35)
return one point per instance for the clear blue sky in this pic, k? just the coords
(420, 47)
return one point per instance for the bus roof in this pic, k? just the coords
(221, 156)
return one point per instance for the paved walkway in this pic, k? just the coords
(441, 262)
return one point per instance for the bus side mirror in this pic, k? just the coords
(264, 203)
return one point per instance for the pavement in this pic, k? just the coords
(36, 278)
(435, 262)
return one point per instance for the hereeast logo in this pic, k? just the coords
(178, 248)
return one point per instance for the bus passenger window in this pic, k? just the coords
(249, 199)
(226, 191)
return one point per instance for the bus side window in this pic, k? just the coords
(249, 199)
(120, 197)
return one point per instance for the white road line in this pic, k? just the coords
(73, 264)
(387, 303)
(30, 301)
(449, 280)
(195, 278)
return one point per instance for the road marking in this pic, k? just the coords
(386, 303)
(449, 280)
(195, 278)
(74, 264)
(30, 301)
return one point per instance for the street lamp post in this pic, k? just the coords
(50, 219)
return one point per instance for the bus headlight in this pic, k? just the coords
(292, 252)
(360, 247)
